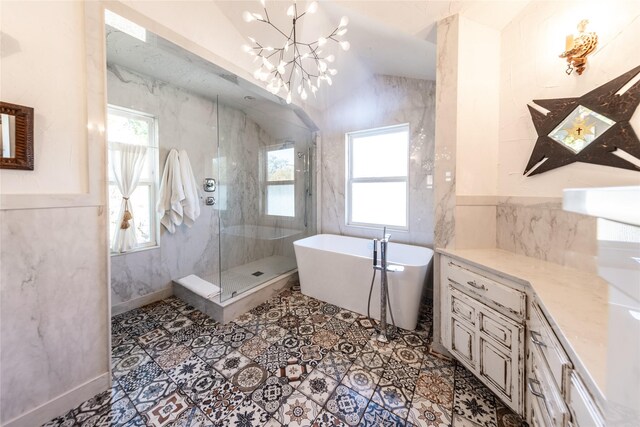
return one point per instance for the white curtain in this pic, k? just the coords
(127, 161)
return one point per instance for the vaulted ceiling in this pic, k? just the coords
(387, 37)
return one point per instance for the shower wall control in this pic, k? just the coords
(209, 185)
(209, 201)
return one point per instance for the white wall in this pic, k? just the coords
(530, 69)
(477, 125)
(49, 76)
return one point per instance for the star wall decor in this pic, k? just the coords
(587, 129)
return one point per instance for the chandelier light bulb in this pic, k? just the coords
(248, 17)
(345, 45)
(303, 95)
(289, 97)
(333, 71)
(281, 67)
(291, 10)
(313, 7)
(328, 79)
(330, 58)
(322, 66)
(247, 48)
(267, 64)
(256, 73)
(343, 22)
(263, 3)
(252, 40)
(258, 16)
(322, 41)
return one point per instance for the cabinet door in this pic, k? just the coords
(501, 357)
(496, 367)
(463, 343)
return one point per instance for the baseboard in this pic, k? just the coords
(61, 404)
(141, 301)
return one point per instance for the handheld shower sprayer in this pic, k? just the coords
(375, 253)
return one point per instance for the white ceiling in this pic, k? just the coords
(387, 37)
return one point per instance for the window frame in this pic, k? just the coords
(152, 182)
(265, 164)
(350, 180)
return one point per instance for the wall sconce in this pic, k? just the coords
(578, 47)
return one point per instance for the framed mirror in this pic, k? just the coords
(16, 136)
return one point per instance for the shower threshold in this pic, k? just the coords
(241, 290)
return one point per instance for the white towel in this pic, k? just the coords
(171, 193)
(191, 202)
(199, 286)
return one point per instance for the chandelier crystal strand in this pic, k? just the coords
(296, 65)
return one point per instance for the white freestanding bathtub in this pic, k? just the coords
(338, 270)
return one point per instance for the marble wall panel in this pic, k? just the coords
(53, 304)
(382, 101)
(446, 132)
(543, 230)
(185, 121)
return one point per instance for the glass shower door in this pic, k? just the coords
(266, 199)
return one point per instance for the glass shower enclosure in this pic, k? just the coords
(266, 194)
(259, 149)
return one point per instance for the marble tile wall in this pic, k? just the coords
(382, 101)
(541, 229)
(53, 304)
(446, 134)
(185, 121)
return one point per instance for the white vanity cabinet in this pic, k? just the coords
(483, 327)
(555, 391)
(494, 324)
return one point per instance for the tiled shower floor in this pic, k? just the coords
(292, 361)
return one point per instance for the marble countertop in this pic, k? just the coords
(575, 302)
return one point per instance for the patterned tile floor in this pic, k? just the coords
(292, 361)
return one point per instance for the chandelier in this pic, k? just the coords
(294, 63)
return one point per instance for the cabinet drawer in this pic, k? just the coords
(497, 327)
(542, 388)
(539, 416)
(463, 306)
(544, 339)
(492, 292)
(585, 412)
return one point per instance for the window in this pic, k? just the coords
(377, 183)
(280, 191)
(132, 127)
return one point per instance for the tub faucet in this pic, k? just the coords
(384, 284)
